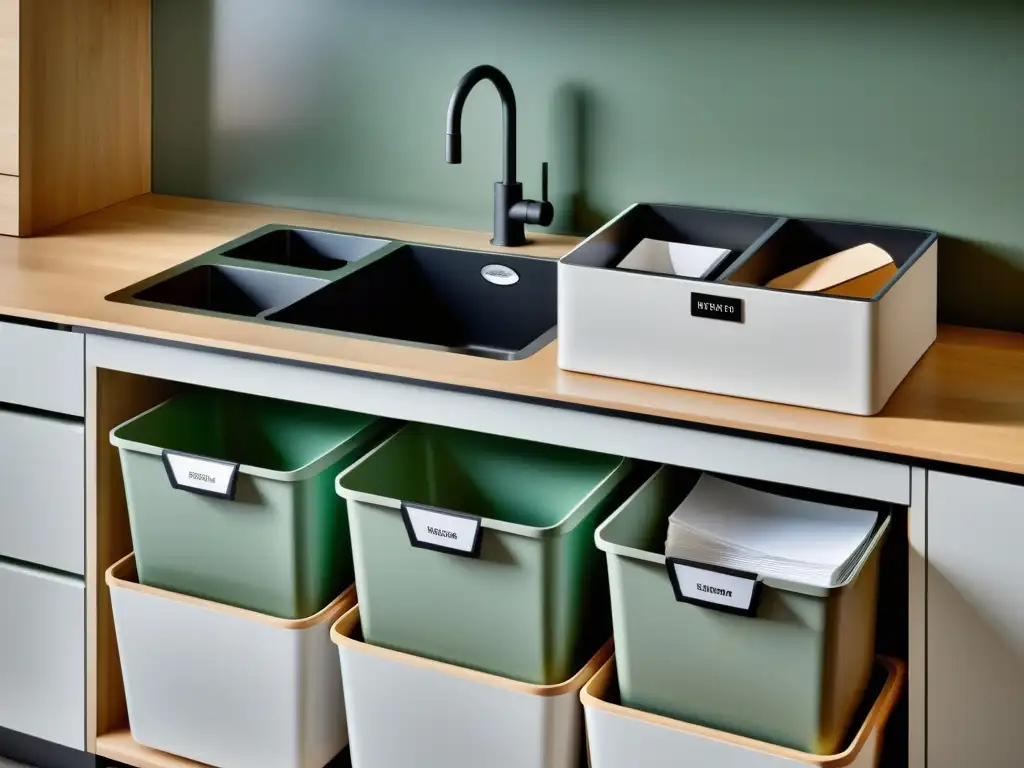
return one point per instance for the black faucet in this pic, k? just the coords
(511, 211)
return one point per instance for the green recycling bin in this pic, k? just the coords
(478, 550)
(791, 671)
(231, 498)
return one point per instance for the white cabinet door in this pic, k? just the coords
(975, 685)
(42, 368)
(42, 491)
(42, 654)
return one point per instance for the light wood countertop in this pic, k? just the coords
(963, 403)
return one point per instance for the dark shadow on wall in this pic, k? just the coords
(182, 110)
(573, 121)
(981, 285)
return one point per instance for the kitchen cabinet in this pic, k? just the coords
(42, 508)
(42, 446)
(74, 109)
(9, 15)
(42, 654)
(975, 634)
(960, 406)
(42, 532)
(42, 368)
(8, 204)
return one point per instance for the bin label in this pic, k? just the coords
(716, 307)
(723, 589)
(208, 477)
(442, 530)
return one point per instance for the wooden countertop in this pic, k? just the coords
(963, 403)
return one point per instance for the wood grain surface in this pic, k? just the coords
(963, 403)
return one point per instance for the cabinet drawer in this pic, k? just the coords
(42, 368)
(42, 654)
(9, 110)
(42, 503)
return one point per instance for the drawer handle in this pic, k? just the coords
(197, 474)
(721, 589)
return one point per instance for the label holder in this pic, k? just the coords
(710, 307)
(673, 577)
(228, 493)
(415, 541)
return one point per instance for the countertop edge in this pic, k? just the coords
(962, 406)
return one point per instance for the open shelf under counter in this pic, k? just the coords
(119, 745)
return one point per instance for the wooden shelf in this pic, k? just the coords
(120, 746)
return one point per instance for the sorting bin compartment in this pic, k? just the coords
(816, 350)
(792, 673)
(225, 686)
(737, 232)
(618, 736)
(231, 498)
(408, 711)
(800, 241)
(478, 550)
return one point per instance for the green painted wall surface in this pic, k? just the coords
(900, 111)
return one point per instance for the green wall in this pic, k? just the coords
(888, 111)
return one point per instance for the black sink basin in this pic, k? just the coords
(231, 290)
(489, 305)
(499, 306)
(305, 248)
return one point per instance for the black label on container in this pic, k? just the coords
(715, 587)
(442, 530)
(716, 307)
(197, 474)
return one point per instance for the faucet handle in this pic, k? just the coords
(546, 211)
(542, 212)
(539, 212)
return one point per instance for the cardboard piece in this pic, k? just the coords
(858, 272)
(667, 258)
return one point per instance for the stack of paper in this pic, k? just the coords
(667, 258)
(725, 524)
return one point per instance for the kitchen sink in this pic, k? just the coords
(492, 305)
(231, 290)
(475, 303)
(304, 248)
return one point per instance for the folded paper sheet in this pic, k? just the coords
(858, 272)
(667, 258)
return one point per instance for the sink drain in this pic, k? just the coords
(499, 275)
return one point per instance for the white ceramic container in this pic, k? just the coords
(224, 686)
(405, 710)
(727, 333)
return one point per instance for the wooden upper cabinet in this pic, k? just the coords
(75, 103)
(9, 87)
